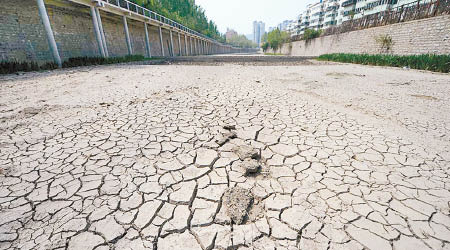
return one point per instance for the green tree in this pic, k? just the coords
(265, 46)
(277, 38)
(185, 12)
(311, 34)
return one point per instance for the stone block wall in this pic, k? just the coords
(23, 38)
(424, 36)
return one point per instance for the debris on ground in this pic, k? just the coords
(226, 137)
(250, 166)
(238, 202)
(229, 127)
(246, 151)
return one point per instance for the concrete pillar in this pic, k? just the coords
(97, 32)
(127, 35)
(195, 47)
(179, 44)
(190, 43)
(102, 32)
(185, 45)
(204, 47)
(147, 41)
(161, 41)
(171, 44)
(201, 47)
(49, 32)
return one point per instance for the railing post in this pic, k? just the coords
(127, 35)
(147, 41)
(161, 41)
(49, 32)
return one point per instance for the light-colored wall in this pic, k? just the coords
(424, 36)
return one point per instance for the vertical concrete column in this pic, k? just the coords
(190, 43)
(185, 44)
(97, 32)
(195, 47)
(127, 35)
(102, 32)
(49, 32)
(171, 44)
(204, 47)
(161, 41)
(179, 44)
(147, 41)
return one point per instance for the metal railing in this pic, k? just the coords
(153, 16)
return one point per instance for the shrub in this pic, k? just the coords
(311, 34)
(385, 41)
(437, 63)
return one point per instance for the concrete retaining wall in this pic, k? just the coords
(425, 36)
(23, 38)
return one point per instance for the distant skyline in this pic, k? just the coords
(239, 15)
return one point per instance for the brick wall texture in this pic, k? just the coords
(424, 36)
(23, 38)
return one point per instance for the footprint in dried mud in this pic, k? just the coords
(238, 202)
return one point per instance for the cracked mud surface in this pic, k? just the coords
(127, 157)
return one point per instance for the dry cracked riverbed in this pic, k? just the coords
(318, 156)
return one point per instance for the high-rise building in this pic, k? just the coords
(259, 29)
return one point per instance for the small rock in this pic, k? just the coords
(229, 127)
(237, 202)
(104, 104)
(250, 166)
(31, 111)
(226, 137)
(246, 151)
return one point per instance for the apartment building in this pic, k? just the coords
(327, 13)
(303, 20)
(317, 15)
(331, 13)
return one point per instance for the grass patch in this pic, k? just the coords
(14, 66)
(436, 63)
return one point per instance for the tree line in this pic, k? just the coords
(185, 12)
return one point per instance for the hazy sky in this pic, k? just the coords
(240, 14)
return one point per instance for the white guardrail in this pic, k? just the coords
(153, 16)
